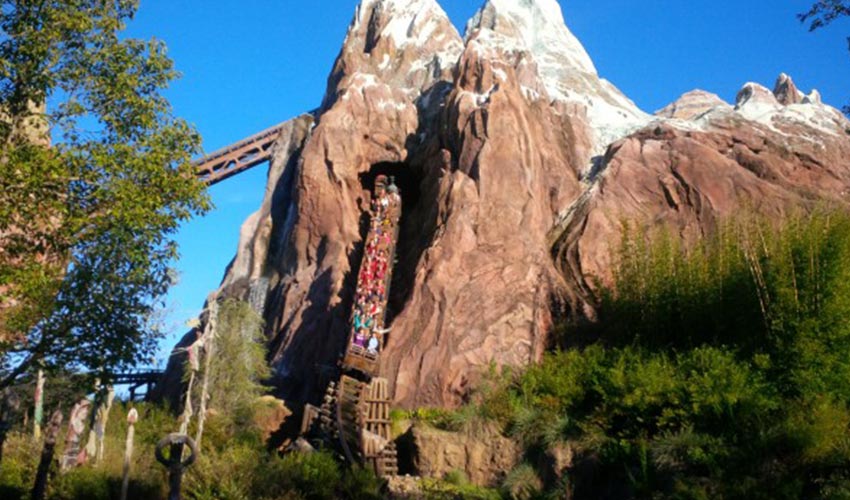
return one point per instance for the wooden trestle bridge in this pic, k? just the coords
(354, 417)
(136, 380)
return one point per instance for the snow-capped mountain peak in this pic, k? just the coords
(564, 66)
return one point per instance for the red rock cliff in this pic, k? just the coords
(517, 165)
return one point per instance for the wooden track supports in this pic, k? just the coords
(378, 409)
(378, 446)
(357, 415)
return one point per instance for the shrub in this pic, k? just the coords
(17, 470)
(455, 486)
(83, 482)
(359, 483)
(717, 369)
(522, 483)
(226, 474)
(239, 363)
(314, 475)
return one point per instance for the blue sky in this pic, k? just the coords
(249, 64)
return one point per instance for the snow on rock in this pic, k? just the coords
(406, 44)
(785, 111)
(691, 105)
(788, 111)
(539, 25)
(813, 97)
(754, 98)
(565, 70)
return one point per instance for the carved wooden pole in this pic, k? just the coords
(38, 407)
(132, 417)
(89, 451)
(76, 425)
(209, 348)
(99, 418)
(102, 420)
(175, 462)
(50, 437)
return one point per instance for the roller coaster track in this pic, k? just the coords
(356, 410)
(238, 157)
(355, 413)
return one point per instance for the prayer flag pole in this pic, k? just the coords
(132, 417)
(38, 410)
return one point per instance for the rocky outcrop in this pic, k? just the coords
(563, 67)
(517, 165)
(764, 156)
(691, 105)
(269, 416)
(511, 166)
(485, 458)
(786, 92)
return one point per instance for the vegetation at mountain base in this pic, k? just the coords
(823, 13)
(233, 465)
(716, 370)
(235, 461)
(95, 180)
(456, 486)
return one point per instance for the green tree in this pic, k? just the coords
(87, 223)
(239, 361)
(824, 12)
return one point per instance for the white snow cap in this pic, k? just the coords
(541, 25)
(565, 69)
(757, 103)
(407, 20)
(410, 24)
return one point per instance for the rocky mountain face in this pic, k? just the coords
(517, 166)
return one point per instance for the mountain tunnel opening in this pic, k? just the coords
(412, 228)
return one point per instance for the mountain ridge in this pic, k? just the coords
(519, 166)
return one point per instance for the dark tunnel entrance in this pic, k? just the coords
(412, 231)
